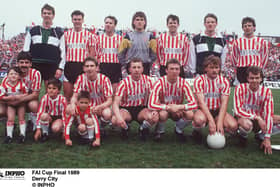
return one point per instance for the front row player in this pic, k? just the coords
(130, 101)
(168, 96)
(12, 89)
(212, 91)
(51, 113)
(88, 126)
(253, 105)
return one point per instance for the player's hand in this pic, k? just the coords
(68, 142)
(266, 145)
(37, 135)
(58, 73)
(96, 143)
(220, 129)
(174, 108)
(262, 124)
(153, 117)
(212, 127)
(72, 109)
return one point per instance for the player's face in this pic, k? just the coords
(139, 23)
(90, 68)
(254, 81)
(24, 65)
(248, 29)
(136, 70)
(47, 16)
(77, 21)
(83, 103)
(109, 25)
(173, 71)
(212, 71)
(210, 24)
(13, 76)
(172, 26)
(52, 91)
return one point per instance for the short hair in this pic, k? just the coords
(139, 14)
(77, 13)
(84, 95)
(89, 58)
(55, 82)
(16, 69)
(113, 18)
(210, 15)
(254, 70)
(172, 61)
(172, 17)
(248, 20)
(24, 56)
(48, 7)
(134, 59)
(211, 59)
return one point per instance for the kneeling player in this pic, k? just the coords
(253, 105)
(51, 111)
(131, 96)
(168, 96)
(12, 89)
(212, 91)
(88, 126)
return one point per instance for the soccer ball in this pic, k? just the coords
(216, 141)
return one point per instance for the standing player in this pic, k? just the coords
(130, 101)
(249, 50)
(138, 44)
(205, 44)
(109, 43)
(168, 96)
(253, 105)
(99, 87)
(88, 126)
(79, 44)
(32, 79)
(172, 45)
(47, 46)
(212, 91)
(52, 110)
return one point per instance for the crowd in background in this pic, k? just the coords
(9, 50)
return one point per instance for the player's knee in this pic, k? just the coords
(153, 117)
(44, 117)
(56, 128)
(163, 116)
(82, 128)
(107, 114)
(189, 115)
(199, 121)
(33, 106)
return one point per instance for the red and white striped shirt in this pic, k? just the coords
(8, 89)
(134, 93)
(212, 90)
(32, 80)
(77, 44)
(100, 88)
(164, 93)
(108, 48)
(81, 118)
(173, 47)
(250, 52)
(249, 104)
(54, 107)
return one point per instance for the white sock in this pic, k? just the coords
(181, 124)
(33, 118)
(22, 127)
(10, 129)
(90, 131)
(160, 128)
(44, 126)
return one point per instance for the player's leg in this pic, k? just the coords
(22, 123)
(105, 119)
(230, 124)
(67, 89)
(126, 116)
(11, 114)
(3, 114)
(43, 131)
(32, 106)
(199, 122)
(160, 127)
(57, 126)
(181, 122)
(245, 126)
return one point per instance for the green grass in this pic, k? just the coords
(116, 153)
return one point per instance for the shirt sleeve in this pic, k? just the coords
(154, 102)
(268, 112)
(191, 105)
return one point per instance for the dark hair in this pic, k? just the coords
(16, 69)
(134, 59)
(254, 70)
(24, 56)
(84, 94)
(172, 17)
(211, 59)
(139, 14)
(55, 82)
(248, 20)
(89, 58)
(77, 13)
(113, 18)
(172, 61)
(210, 15)
(48, 7)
